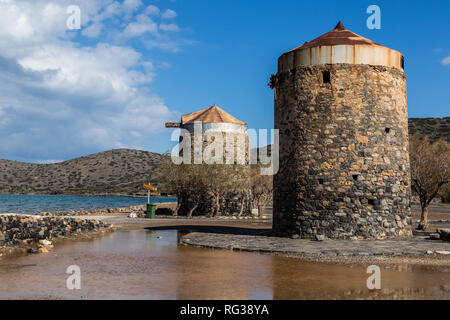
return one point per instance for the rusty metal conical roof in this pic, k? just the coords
(212, 114)
(338, 36)
(340, 46)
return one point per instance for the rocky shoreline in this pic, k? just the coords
(33, 234)
(97, 212)
(133, 211)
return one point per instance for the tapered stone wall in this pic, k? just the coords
(235, 150)
(344, 162)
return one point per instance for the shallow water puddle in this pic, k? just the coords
(151, 265)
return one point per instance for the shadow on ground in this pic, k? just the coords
(215, 229)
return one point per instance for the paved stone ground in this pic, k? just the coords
(416, 246)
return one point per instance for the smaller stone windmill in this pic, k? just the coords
(203, 127)
(213, 120)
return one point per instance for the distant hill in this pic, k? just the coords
(123, 171)
(119, 171)
(434, 128)
(256, 152)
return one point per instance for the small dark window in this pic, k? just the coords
(387, 130)
(372, 202)
(326, 77)
(402, 61)
(320, 181)
(355, 177)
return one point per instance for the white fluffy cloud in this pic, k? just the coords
(143, 24)
(131, 6)
(169, 14)
(93, 31)
(60, 97)
(152, 10)
(446, 61)
(169, 27)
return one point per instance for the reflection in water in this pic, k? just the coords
(151, 265)
(315, 281)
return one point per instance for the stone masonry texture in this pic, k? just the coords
(15, 229)
(344, 162)
(235, 148)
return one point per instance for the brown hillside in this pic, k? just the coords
(116, 171)
(433, 128)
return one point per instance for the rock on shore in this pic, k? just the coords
(444, 234)
(28, 230)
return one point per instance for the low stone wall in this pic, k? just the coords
(97, 212)
(28, 230)
(138, 210)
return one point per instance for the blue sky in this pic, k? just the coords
(136, 64)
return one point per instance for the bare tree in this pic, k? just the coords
(186, 181)
(195, 185)
(216, 185)
(430, 171)
(261, 188)
(445, 193)
(237, 184)
(175, 177)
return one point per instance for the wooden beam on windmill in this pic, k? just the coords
(173, 124)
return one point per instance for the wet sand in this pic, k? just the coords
(152, 265)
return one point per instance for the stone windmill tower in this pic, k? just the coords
(211, 121)
(203, 127)
(341, 111)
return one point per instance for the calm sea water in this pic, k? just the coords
(33, 204)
